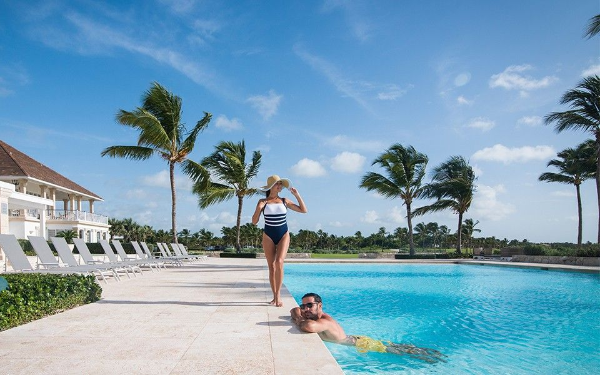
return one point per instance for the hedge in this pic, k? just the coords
(422, 256)
(237, 255)
(32, 296)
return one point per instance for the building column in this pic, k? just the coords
(65, 205)
(71, 202)
(91, 206)
(23, 186)
(43, 191)
(79, 203)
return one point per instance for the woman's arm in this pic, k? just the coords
(259, 206)
(300, 207)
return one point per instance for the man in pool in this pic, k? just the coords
(310, 317)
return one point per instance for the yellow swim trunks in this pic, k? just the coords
(366, 344)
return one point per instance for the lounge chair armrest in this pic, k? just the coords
(95, 262)
(52, 264)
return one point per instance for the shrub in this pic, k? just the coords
(423, 256)
(534, 250)
(32, 296)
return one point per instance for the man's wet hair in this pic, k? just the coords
(314, 295)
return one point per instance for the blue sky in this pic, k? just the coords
(321, 88)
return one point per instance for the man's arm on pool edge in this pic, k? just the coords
(308, 325)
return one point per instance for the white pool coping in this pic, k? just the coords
(207, 318)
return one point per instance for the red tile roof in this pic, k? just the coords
(15, 163)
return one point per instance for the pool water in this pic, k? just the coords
(486, 320)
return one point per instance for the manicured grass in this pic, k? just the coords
(334, 256)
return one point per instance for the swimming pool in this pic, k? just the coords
(492, 320)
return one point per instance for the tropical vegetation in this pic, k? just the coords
(404, 171)
(161, 133)
(225, 174)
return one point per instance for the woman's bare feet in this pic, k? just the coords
(272, 302)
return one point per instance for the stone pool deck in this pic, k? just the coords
(203, 318)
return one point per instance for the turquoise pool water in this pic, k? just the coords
(486, 320)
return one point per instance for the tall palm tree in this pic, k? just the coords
(161, 133)
(405, 169)
(453, 185)
(584, 115)
(225, 174)
(468, 229)
(593, 26)
(575, 165)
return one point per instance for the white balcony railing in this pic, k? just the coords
(62, 215)
(25, 213)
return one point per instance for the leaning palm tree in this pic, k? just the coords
(161, 133)
(575, 165)
(584, 115)
(453, 185)
(223, 175)
(405, 169)
(468, 228)
(593, 26)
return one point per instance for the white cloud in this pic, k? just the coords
(530, 120)
(355, 17)
(481, 123)
(348, 162)
(463, 101)
(487, 206)
(513, 79)
(478, 171)
(336, 224)
(370, 217)
(507, 155)
(161, 179)
(462, 79)
(180, 6)
(563, 193)
(591, 70)
(308, 168)
(228, 125)
(397, 215)
(344, 142)
(392, 92)
(204, 31)
(136, 194)
(266, 105)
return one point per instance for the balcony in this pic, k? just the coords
(25, 214)
(62, 215)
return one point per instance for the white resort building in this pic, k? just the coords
(37, 201)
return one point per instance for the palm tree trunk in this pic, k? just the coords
(238, 247)
(458, 234)
(580, 224)
(173, 200)
(598, 178)
(410, 229)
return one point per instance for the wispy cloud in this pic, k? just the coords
(228, 125)
(332, 74)
(162, 180)
(392, 92)
(462, 79)
(308, 168)
(503, 154)
(370, 217)
(463, 101)
(12, 76)
(481, 123)
(512, 78)
(266, 105)
(204, 31)
(356, 18)
(530, 120)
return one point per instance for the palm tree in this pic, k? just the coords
(405, 169)
(223, 175)
(421, 233)
(593, 27)
(468, 229)
(584, 114)
(68, 235)
(453, 185)
(575, 165)
(161, 133)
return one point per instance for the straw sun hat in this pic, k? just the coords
(272, 180)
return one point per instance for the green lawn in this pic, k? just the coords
(334, 256)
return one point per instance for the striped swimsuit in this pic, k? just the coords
(275, 221)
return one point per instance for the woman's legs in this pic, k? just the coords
(280, 253)
(270, 251)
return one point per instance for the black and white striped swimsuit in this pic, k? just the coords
(275, 221)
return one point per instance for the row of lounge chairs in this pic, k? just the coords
(114, 267)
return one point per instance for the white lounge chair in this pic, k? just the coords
(132, 260)
(112, 258)
(142, 255)
(185, 252)
(20, 263)
(65, 254)
(163, 258)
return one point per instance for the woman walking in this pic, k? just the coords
(276, 237)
